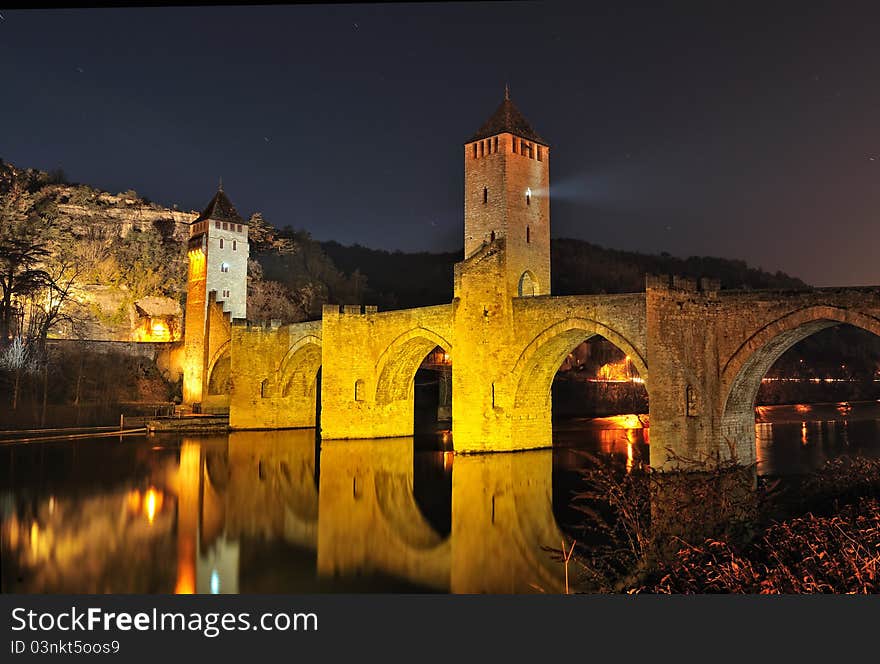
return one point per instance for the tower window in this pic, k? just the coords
(239, 228)
(359, 391)
(528, 235)
(233, 245)
(475, 150)
(485, 195)
(496, 144)
(528, 196)
(221, 242)
(513, 145)
(217, 224)
(540, 157)
(225, 226)
(482, 148)
(224, 267)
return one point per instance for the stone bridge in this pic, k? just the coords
(701, 352)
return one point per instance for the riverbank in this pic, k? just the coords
(819, 533)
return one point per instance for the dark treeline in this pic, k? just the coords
(404, 280)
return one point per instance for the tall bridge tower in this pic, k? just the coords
(506, 263)
(217, 284)
(507, 198)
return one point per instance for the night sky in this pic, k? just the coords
(747, 132)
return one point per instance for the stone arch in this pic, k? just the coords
(397, 366)
(528, 285)
(219, 371)
(298, 371)
(542, 357)
(741, 375)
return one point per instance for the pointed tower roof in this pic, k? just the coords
(220, 209)
(508, 119)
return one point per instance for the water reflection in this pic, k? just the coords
(272, 512)
(796, 439)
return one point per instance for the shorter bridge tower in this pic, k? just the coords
(218, 254)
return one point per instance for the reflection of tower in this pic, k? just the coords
(218, 255)
(507, 195)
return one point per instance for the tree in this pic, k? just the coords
(26, 228)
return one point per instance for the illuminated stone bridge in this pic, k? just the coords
(701, 351)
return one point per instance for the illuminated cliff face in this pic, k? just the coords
(157, 330)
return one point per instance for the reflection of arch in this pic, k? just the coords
(394, 496)
(218, 371)
(528, 285)
(271, 490)
(541, 359)
(742, 374)
(298, 371)
(399, 362)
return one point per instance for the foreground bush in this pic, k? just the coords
(807, 554)
(817, 533)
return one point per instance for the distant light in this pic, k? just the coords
(215, 582)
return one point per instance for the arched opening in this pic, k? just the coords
(803, 390)
(300, 381)
(583, 386)
(432, 394)
(415, 387)
(528, 286)
(218, 381)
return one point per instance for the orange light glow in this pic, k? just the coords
(614, 372)
(152, 504)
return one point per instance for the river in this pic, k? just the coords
(259, 512)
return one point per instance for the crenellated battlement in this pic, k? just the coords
(680, 283)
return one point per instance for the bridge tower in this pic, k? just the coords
(506, 261)
(217, 284)
(507, 198)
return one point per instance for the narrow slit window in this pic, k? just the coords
(482, 148)
(540, 155)
(513, 145)
(496, 144)
(485, 195)
(492, 236)
(221, 242)
(528, 235)
(234, 243)
(528, 196)
(475, 150)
